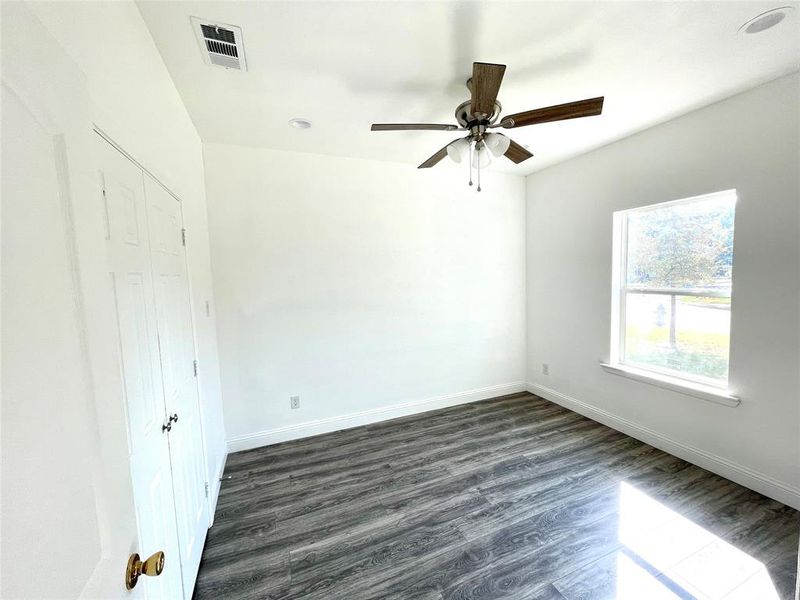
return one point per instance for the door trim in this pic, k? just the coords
(127, 155)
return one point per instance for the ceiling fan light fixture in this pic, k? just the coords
(497, 143)
(481, 158)
(457, 149)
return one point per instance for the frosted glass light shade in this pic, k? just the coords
(457, 149)
(497, 143)
(481, 157)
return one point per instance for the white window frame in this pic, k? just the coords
(702, 387)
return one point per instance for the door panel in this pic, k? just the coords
(132, 286)
(157, 522)
(145, 405)
(180, 385)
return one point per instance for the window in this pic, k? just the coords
(672, 288)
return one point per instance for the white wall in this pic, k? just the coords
(135, 102)
(748, 142)
(64, 440)
(44, 383)
(360, 285)
(65, 468)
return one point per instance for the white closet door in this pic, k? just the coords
(132, 282)
(180, 385)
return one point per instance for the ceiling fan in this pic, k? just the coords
(481, 112)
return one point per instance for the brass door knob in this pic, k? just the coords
(152, 567)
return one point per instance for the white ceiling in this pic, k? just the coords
(345, 65)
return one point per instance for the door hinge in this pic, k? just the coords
(206, 489)
(194, 367)
(183, 236)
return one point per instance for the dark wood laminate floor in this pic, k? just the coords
(513, 497)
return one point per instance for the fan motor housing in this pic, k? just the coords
(465, 117)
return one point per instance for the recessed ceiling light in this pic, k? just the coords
(300, 123)
(766, 20)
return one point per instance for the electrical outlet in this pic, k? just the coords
(545, 369)
(294, 402)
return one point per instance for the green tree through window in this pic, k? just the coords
(685, 246)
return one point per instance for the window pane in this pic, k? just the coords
(686, 334)
(683, 245)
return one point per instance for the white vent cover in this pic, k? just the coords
(220, 44)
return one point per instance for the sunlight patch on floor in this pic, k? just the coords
(692, 562)
(633, 582)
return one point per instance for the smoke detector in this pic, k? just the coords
(220, 44)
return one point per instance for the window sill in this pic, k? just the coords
(689, 388)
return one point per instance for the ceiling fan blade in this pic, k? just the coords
(433, 160)
(560, 112)
(517, 153)
(412, 126)
(486, 80)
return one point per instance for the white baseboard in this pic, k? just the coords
(742, 475)
(216, 485)
(374, 415)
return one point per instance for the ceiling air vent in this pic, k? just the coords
(220, 44)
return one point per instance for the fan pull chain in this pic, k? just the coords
(470, 164)
(479, 172)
